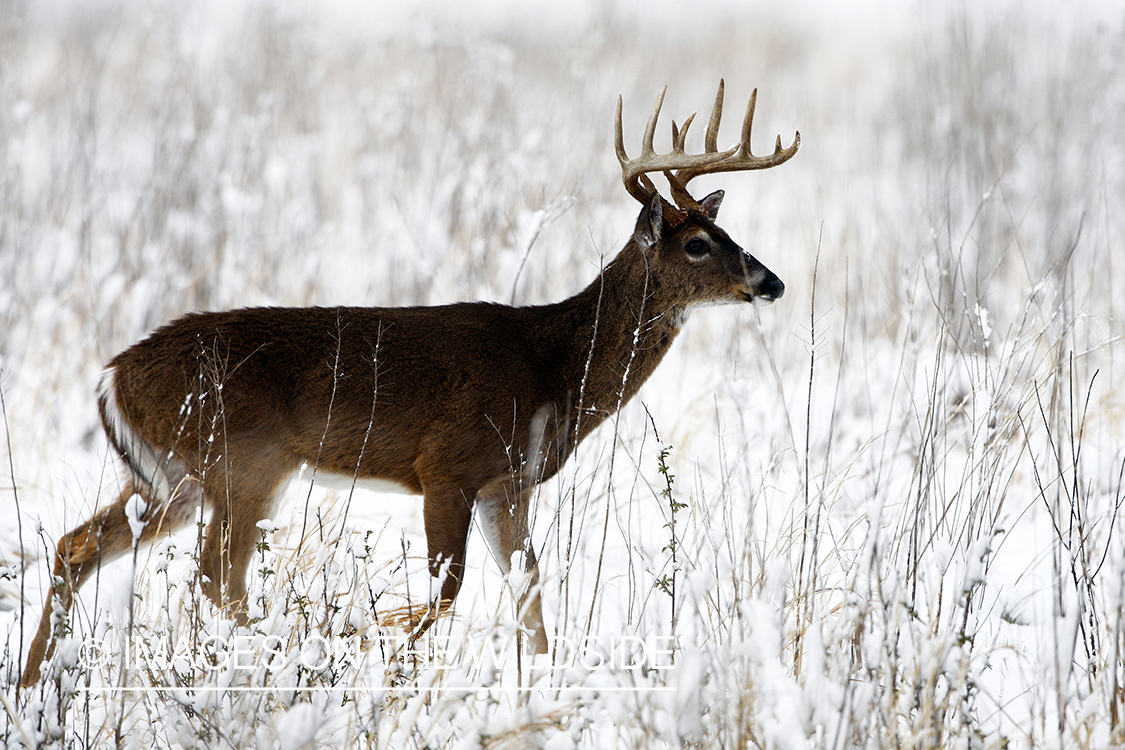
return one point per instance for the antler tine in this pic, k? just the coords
(748, 124)
(618, 138)
(678, 136)
(744, 145)
(634, 171)
(709, 143)
(650, 127)
(632, 184)
(636, 182)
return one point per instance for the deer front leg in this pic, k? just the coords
(505, 530)
(447, 514)
(239, 497)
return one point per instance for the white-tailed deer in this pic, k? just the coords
(469, 405)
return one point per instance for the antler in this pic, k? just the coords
(633, 171)
(689, 166)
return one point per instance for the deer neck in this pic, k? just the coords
(616, 332)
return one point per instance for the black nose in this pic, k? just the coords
(771, 288)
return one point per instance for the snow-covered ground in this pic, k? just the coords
(902, 480)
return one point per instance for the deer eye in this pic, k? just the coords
(697, 248)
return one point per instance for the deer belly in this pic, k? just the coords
(346, 482)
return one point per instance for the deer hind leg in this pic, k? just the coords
(506, 531)
(105, 537)
(239, 495)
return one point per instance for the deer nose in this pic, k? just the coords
(771, 288)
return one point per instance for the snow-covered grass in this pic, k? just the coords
(897, 490)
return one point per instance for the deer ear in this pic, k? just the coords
(650, 222)
(711, 203)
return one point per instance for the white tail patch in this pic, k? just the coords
(148, 470)
(167, 495)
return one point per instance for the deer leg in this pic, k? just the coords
(227, 551)
(238, 497)
(447, 515)
(103, 538)
(505, 530)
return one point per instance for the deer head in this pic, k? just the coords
(698, 261)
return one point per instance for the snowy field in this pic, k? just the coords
(901, 483)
